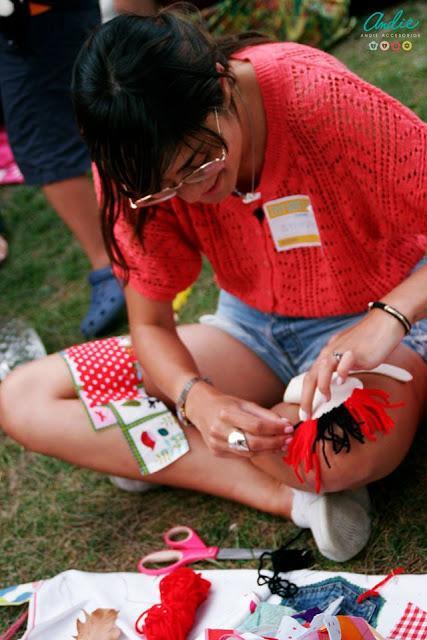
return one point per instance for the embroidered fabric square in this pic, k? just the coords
(108, 380)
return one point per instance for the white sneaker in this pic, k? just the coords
(340, 525)
(133, 486)
(339, 522)
(361, 496)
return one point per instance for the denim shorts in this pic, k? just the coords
(290, 345)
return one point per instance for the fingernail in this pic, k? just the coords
(303, 415)
(285, 419)
(288, 429)
(285, 446)
(339, 380)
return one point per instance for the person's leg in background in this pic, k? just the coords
(75, 202)
(140, 7)
(3, 242)
(35, 84)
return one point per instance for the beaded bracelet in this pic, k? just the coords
(393, 312)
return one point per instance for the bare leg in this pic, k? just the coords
(140, 7)
(365, 463)
(54, 422)
(75, 202)
(3, 242)
(3, 248)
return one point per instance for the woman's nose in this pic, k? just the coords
(192, 192)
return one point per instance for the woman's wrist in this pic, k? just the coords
(385, 325)
(182, 398)
(391, 311)
(410, 296)
(403, 305)
(198, 399)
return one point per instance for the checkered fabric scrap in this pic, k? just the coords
(412, 625)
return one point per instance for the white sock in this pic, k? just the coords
(362, 497)
(303, 500)
(301, 503)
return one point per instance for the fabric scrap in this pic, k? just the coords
(108, 380)
(412, 625)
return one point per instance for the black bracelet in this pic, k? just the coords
(393, 312)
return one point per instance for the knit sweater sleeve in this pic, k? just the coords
(162, 260)
(385, 149)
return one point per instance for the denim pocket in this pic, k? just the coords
(321, 594)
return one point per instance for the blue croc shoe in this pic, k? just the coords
(107, 302)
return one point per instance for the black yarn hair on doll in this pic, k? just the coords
(359, 417)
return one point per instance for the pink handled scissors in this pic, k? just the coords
(185, 547)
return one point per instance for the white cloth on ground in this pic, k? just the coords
(58, 602)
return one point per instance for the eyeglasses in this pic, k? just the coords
(202, 173)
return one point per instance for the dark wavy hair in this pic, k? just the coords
(142, 87)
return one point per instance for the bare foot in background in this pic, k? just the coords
(3, 249)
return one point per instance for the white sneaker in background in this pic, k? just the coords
(133, 486)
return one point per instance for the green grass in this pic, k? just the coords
(54, 517)
(401, 74)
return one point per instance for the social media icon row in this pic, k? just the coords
(384, 45)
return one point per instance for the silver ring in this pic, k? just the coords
(337, 355)
(237, 441)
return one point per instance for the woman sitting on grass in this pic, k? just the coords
(304, 186)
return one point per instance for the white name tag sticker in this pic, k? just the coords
(292, 223)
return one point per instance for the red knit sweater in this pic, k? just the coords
(359, 155)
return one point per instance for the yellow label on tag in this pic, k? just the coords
(284, 206)
(292, 222)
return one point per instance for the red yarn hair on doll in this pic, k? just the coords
(361, 417)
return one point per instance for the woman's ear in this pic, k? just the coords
(225, 85)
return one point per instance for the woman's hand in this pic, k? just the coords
(216, 415)
(365, 345)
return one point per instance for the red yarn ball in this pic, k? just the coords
(181, 592)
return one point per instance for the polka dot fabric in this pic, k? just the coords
(356, 152)
(106, 370)
(108, 380)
